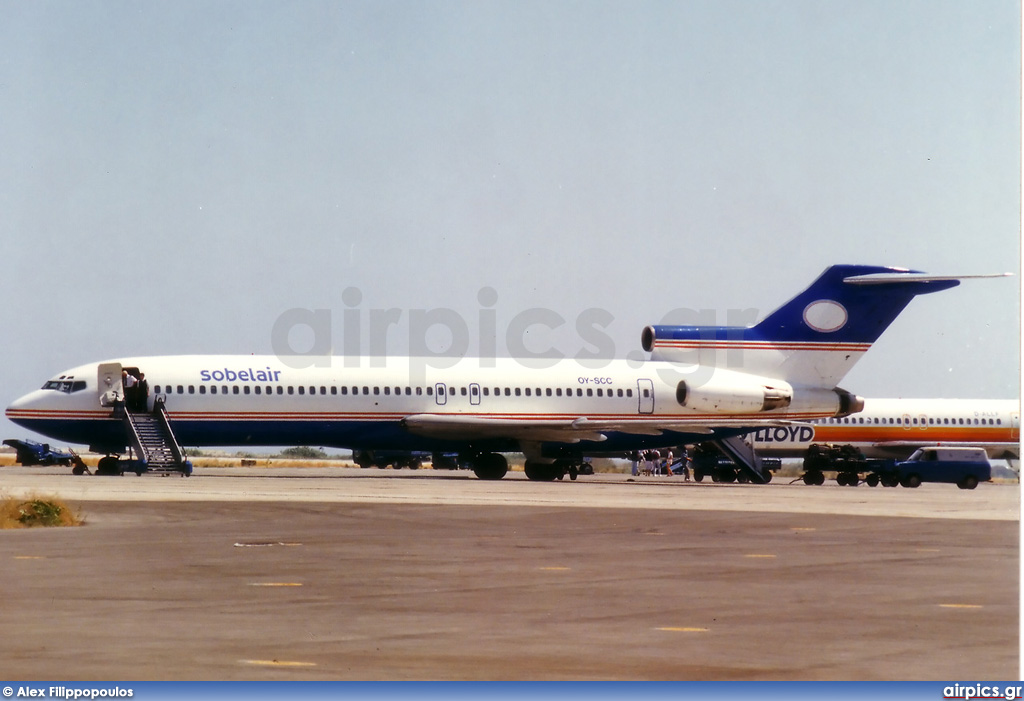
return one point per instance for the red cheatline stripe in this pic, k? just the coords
(757, 345)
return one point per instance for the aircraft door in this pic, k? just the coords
(109, 384)
(440, 393)
(645, 392)
(474, 394)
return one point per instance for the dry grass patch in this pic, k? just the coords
(37, 511)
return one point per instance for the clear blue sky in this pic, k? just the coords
(175, 176)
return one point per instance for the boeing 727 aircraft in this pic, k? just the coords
(701, 383)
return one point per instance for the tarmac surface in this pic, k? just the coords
(335, 573)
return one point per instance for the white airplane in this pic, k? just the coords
(701, 383)
(895, 428)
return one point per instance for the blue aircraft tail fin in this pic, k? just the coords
(847, 304)
(814, 338)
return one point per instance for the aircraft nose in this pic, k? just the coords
(21, 409)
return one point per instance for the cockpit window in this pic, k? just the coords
(66, 386)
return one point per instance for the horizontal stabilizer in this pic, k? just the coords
(888, 278)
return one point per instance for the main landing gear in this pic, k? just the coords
(493, 466)
(550, 471)
(489, 466)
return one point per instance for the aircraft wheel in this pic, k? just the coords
(541, 471)
(108, 466)
(490, 466)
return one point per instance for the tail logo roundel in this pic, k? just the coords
(825, 315)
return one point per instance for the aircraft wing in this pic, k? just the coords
(566, 430)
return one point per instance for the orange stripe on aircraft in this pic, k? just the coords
(927, 434)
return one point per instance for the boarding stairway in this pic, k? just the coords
(741, 451)
(153, 441)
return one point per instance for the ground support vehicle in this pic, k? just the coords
(964, 467)
(33, 453)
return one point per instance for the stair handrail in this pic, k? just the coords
(160, 408)
(136, 438)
